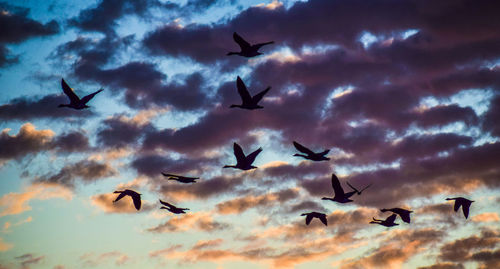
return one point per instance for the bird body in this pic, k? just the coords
(311, 215)
(243, 162)
(182, 179)
(172, 208)
(388, 222)
(247, 50)
(75, 101)
(136, 197)
(310, 155)
(403, 213)
(339, 195)
(461, 202)
(247, 101)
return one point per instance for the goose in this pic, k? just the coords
(340, 196)
(136, 197)
(247, 101)
(74, 101)
(180, 178)
(356, 190)
(243, 162)
(247, 50)
(312, 215)
(403, 213)
(388, 222)
(464, 203)
(310, 155)
(172, 208)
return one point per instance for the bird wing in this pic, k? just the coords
(256, 98)
(405, 216)
(456, 206)
(251, 157)
(258, 46)
(242, 90)
(238, 153)
(324, 152)
(167, 204)
(87, 98)
(119, 196)
(169, 175)
(309, 218)
(391, 218)
(336, 186)
(365, 187)
(137, 200)
(303, 149)
(73, 98)
(465, 209)
(323, 219)
(354, 189)
(238, 39)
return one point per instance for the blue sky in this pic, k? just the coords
(404, 94)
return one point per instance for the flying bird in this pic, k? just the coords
(243, 162)
(136, 197)
(388, 222)
(356, 190)
(310, 155)
(461, 202)
(247, 101)
(182, 179)
(172, 208)
(74, 101)
(340, 195)
(312, 215)
(247, 50)
(403, 213)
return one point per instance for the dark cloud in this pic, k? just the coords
(119, 131)
(71, 142)
(24, 108)
(491, 118)
(460, 250)
(27, 260)
(87, 171)
(27, 141)
(446, 265)
(153, 165)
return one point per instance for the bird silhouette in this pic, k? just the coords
(180, 178)
(247, 101)
(172, 208)
(312, 215)
(74, 101)
(243, 162)
(310, 155)
(247, 50)
(356, 190)
(388, 222)
(136, 197)
(403, 213)
(461, 202)
(340, 196)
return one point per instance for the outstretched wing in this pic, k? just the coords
(303, 149)
(456, 206)
(90, 96)
(257, 46)
(242, 90)
(465, 209)
(251, 157)
(169, 175)
(391, 218)
(365, 188)
(405, 216)
(336, 186)
(137, 200)
(308, 219)
(259, 96)
(119, 196)
(354, 189)
(167, 204)
(238, 153)
(69, 92)
(238, 39)
(324, 152)
(323, 219)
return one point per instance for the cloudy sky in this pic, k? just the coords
(406, 94)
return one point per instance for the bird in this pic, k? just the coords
(74, 101)
(180, 178)
(388, 222)
(464, 203)
(312, 215)
(136, 197)
(356, 190)
(340, 196)
(320, 156)
(403, 213)
(247, 50)
(172, 208)
(247, 101)
(243, 162)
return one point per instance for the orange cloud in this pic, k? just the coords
(486, 217)
(17, 203)
(125, 205)
(5, 246)
(201, 221)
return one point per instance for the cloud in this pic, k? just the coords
(240, 205)
(446, 265)
(460, 250)
(93, 260)
(16, 203)
(27, 141)
(29, 259)
(86, 170)
(4, 246)
(125, 205)
(486, 217)
(200, 221)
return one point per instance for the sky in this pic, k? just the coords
(405, 94)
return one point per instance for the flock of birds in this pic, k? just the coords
(244, 162)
